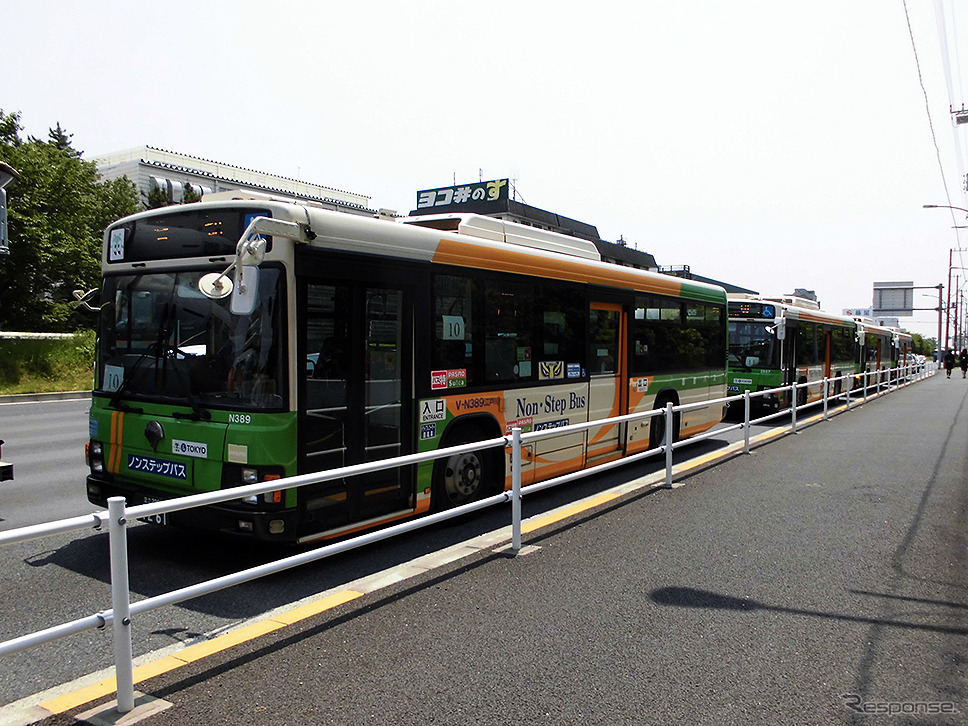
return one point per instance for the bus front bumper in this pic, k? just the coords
(239, 520)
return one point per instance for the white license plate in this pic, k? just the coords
(154, 518)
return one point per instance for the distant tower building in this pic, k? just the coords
(805, 294)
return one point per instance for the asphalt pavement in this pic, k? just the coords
(819, 580)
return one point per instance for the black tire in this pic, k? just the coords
(657, 424)
(466, 477)
(802, 394)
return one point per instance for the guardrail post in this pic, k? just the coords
(668, 443)
(746, 421)
(121, 603)
(793, 405)
(826, 416)
(516, 489)
(867, 382)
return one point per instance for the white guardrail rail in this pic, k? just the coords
(120, 615)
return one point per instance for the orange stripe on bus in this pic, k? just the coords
(697, 429)
(450, 252)
(117, 436)
(604, 431)
(818, 316)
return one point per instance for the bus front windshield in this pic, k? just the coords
(161, 339)
(752, 345)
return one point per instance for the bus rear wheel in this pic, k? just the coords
(657, 425)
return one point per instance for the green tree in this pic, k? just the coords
(61, 140)
(922, 345)
(157, 197)
(57, 212)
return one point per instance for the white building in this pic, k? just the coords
(154, 170)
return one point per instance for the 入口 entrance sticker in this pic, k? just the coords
(433, 410)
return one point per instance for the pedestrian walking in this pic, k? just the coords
(949, 361)
(964, 362)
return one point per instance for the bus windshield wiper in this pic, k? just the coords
(740, 361)
(198, 413)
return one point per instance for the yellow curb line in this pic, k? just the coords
(196, 652)
(564, 512)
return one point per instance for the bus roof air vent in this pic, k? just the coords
(499, 230)
(800, 302)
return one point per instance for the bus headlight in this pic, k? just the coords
(234, 476)
(95, 457)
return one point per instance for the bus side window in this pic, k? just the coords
(454, 325)
(704, 339)
(562, 322)
(656, 339)
(509, 316)
(603, 334)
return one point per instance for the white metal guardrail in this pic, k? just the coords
(122, 610)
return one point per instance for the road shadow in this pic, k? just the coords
(690, 597)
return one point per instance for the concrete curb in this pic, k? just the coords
(38, 397)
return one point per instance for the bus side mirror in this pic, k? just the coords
(781, 329)
(245, 290)
(84, 299)
(244, 284)
(249, 254)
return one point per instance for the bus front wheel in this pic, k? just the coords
(464, 477)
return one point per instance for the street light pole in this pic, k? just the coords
(947, 312)
(938, 343)
(957, 302)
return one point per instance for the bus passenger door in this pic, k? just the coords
(608, 375)
(791, 356)
(353, 406)
(828, 352)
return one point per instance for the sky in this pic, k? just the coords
(774, 145)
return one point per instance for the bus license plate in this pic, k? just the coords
(154, 518)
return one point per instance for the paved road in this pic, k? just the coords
(820, 580)
(45, 442)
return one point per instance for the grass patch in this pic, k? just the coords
(44, 365)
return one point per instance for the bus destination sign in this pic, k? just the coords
(751, 310)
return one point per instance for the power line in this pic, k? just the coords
(927, 106)
(927, 109)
